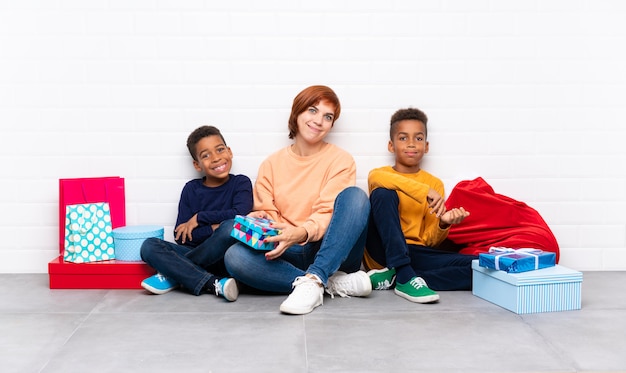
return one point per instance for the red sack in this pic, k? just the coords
(496, 220)
(92, 190)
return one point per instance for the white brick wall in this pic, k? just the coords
(530, 95)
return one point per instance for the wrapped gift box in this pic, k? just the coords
(549, 289)
(111, 274)
(516, 261)
(128, 240)
(253, 232)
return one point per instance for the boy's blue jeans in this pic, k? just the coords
(341, 248)
(190, 266)
(442, 270)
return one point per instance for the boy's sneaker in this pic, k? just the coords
(416, 291)
(307, 294)
(227, 288)
(382, 279)
(159, 284)
(356, 284)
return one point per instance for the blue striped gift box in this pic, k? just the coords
(544, 290)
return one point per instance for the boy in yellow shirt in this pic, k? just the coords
(408, 220)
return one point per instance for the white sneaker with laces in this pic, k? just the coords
(307, 294)
(357, 284)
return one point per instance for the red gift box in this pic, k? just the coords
(111, 274)
(98, 275)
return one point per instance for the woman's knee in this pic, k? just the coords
(234, 258)
(354, 197)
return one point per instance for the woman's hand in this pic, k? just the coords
(289, 236)
(258, 215)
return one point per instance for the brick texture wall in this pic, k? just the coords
(530, 95)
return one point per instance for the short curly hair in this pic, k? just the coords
(200, 133)
(407, 114)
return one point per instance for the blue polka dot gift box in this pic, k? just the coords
(128, 240)
(253, 232)
(88, 233)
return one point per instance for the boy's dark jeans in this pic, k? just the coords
(442, 270)
(190, 266)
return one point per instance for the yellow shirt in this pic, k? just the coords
(301, 191)
(419, 226)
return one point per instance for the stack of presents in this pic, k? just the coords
(96, 248)
(522, 281)
(526, 281)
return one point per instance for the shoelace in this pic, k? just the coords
(218, 288)
(302, 279)
(418, 282)
(160, 277)
(383, 285)
(335, 287)
(298, 281)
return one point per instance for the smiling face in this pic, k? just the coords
(315, 122)
(214, 160)
(409, 144)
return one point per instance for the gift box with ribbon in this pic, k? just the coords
(516, 260)
(253, 232)
(551, 289)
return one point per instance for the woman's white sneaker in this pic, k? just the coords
(357, 284)
(307, 294)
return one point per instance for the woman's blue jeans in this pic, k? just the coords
(190, 266)
(341, 248)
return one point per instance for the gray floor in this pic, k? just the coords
(43, 330)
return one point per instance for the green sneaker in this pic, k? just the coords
(382, 279)
(416, 291)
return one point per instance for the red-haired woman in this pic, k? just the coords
(308, 189)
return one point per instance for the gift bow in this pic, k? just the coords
(504, 251)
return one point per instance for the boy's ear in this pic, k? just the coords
(390, 147)
(196, 166)
(426, 147)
